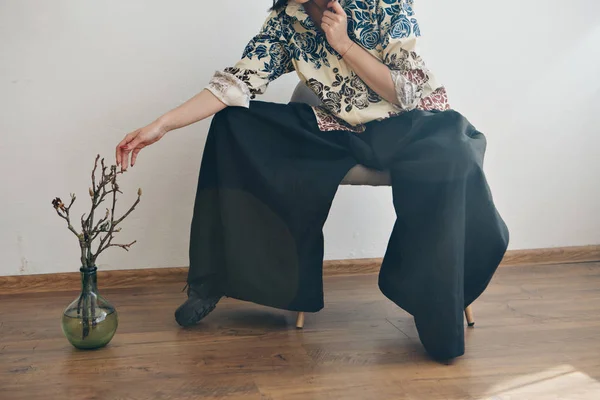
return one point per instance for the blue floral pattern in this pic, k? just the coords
(289, 40)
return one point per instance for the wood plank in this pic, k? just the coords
(120, 279)
(123, 279)
(558, 255)
(537, 337)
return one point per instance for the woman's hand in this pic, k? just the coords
(134, 142)
(199, 107)
(335, 26)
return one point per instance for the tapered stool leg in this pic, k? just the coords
(469, 316)
(300, 320)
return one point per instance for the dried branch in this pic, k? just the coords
(103, 168)
(94, 171)
(99, 193)
(115, 190)
(123, 246)
(98, 228)
(105, 228)
(66, 218)
(63, 212)
(83, 222)
(73, 198)
(106, 241)
(117, 222)
(94, 194)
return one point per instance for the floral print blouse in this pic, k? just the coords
(290, 41)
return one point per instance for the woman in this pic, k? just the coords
(270, 171)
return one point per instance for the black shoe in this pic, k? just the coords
(199, 304)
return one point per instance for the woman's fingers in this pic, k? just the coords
(134, 146)
(119, 150)
(331, 21)
(327, 21)
(123, 150)
(126, 153)
(333, 16)
(134, 143)
(337, 8)
(135, 153)
(124, 160)
(118, 154)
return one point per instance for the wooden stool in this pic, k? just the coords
(359, 175)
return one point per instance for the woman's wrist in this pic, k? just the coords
(344, 47)
(164, 124)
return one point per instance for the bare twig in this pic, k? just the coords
(83, 222)
(117, 222)
(115, 189)
(123, 246)
(106, 227)
(63, 212)
(106, 241)
(98, 227)
(66, 218)
(94, 172)
(103, 169)
(73, 198)
(94, 194)
(99, 193)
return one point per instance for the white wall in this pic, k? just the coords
(76, 75)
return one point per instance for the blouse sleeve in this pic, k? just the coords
(399, 33)
(265, 59)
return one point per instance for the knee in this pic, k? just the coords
(457, 154)
(231, 113)
(458, 145)
(228, 123)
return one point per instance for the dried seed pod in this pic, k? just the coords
(58, 203)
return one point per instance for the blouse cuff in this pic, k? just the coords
(229, 89)
(408, 93)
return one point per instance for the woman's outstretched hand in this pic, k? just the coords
(134, 142)
(202, 105)
(335, 26)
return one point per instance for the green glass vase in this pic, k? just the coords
(90, 322)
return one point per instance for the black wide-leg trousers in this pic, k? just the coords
(266, 184)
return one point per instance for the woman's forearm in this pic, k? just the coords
(372, 71)
(201, 106)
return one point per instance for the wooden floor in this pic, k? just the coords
(537, 337)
